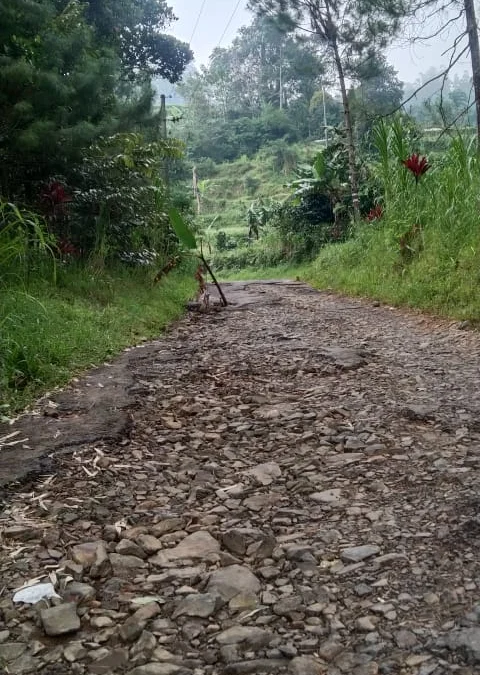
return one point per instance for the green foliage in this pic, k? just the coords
(62, 86)
(227, 140)
(223, 242)
(378, 93)
(120, 203)
(135, 30)
(83, 320)
(316, 211)
(182, 230)
(282, 156)
(24, 241)
(280, 271)
(258, 216)
(255, 92)
(80, 167)
(267, 252)
(56, 92)
(424, 251)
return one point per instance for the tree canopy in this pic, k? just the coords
(72, 73)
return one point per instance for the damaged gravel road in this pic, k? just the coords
(290, 485)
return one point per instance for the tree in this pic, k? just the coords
(448, 14)
(56, 92)
(280, 68)
(135, 28)
(256, 91)
(62, 89)
(348, 30)
(378, 93)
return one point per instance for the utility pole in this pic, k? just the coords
(163, 117)
(325, 116)
(163, 133)
(196, 190)
(281, 78)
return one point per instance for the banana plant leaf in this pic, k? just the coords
(181, 229)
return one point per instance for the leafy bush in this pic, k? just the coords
(252, 256)
(251, 184)
(223, 242)
(120, 202)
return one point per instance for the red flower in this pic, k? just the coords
(375, 214)
(417, 165)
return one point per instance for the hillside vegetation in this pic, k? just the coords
(305, 160)
(368, 188)
(231, 191)
(84, 226)
(424, 248)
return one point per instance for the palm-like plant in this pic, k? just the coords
(258, 216)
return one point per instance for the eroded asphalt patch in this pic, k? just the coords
(289, 485)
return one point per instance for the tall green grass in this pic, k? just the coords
(440, 272)
(49, 332)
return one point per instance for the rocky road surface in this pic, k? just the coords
(294, 488)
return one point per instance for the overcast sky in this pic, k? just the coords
(213, 24)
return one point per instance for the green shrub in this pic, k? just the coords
(425, 249)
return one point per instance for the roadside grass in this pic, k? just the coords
(425, 250)
(443, 287)
(267, 273)
(49, 333)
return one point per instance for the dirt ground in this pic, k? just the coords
(290, 485)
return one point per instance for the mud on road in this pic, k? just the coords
(289, 485)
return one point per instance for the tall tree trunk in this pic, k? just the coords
(473, 41)
(352, 155)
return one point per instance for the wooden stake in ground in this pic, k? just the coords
(187, 238)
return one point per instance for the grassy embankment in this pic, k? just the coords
(424, 252)
(50, 332)
(227, 192)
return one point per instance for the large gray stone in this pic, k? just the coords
(60, 620)
(160, 669)
(332, 496)
(198, 545)
(127, 547)
(250, 636)
(78, 592)
(198, 604)
(466, 642)
(133, 627)
(265, 473)
(87, 553)
(307, 665)
(291, 603)
(120, 561)
(358, 553)
(232, 580)
(112, 662)
(9, 651)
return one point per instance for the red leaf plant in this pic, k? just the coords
(66, 248)
(375, 214)
(417, 165)
(53, 198)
